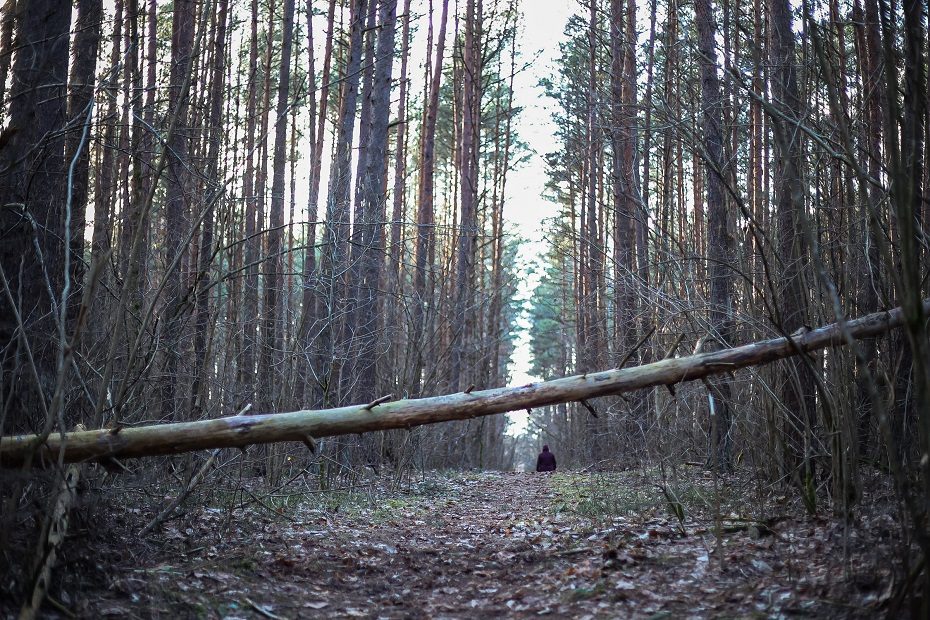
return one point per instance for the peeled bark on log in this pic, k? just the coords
(303, 426)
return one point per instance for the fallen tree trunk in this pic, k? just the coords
(243, 430)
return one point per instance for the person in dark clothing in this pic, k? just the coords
(546, 460)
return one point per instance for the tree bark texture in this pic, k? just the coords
(792, 296)
(32, 218)
(719, 239)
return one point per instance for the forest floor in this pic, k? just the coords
(484, 545)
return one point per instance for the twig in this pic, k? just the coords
(674, 347)
(114, 466)
(588, 406)
(261, 502)
(636, 347)
(164, 514)
(261, 610)
(377, 402)
(60, 607)
(21, 330)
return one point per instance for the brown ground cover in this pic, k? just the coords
(484, 545)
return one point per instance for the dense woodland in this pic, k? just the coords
(222, 207)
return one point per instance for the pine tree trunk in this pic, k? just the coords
(78, 146)
(7, 22)
(374, 185)
(177, 188)
(32, 175)
(798, 392)
(335, 263)
(396, 271)
(426, 233)
(214, 184)
(247, 365)
(271, 357)
(468, 164)
(719, 239)
(309, 302)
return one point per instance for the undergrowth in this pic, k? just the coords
(603, 496)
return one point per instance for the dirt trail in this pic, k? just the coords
(479, 548)
(479, 552)
(473, 545)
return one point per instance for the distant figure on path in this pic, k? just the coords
(546, 460)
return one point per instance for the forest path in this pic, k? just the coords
(476, 545)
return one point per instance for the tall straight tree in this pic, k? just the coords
(426, 233)
(77, 150)
(867, 42)
(470, 147)
(798, 392)
(32, 208)
(136, 222)
(624, 200)
(177, 188)
(7, 20)
(105, 209)
(127, 148)
(905, 119)
(271, 320)
(247, 372)
(642, 224)
(351, 334)
(592, 348)
(215, 141)
(395, 275)
(720, 255)
(335, 259)
(364, 124)
(318, 114)
(374, 186)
